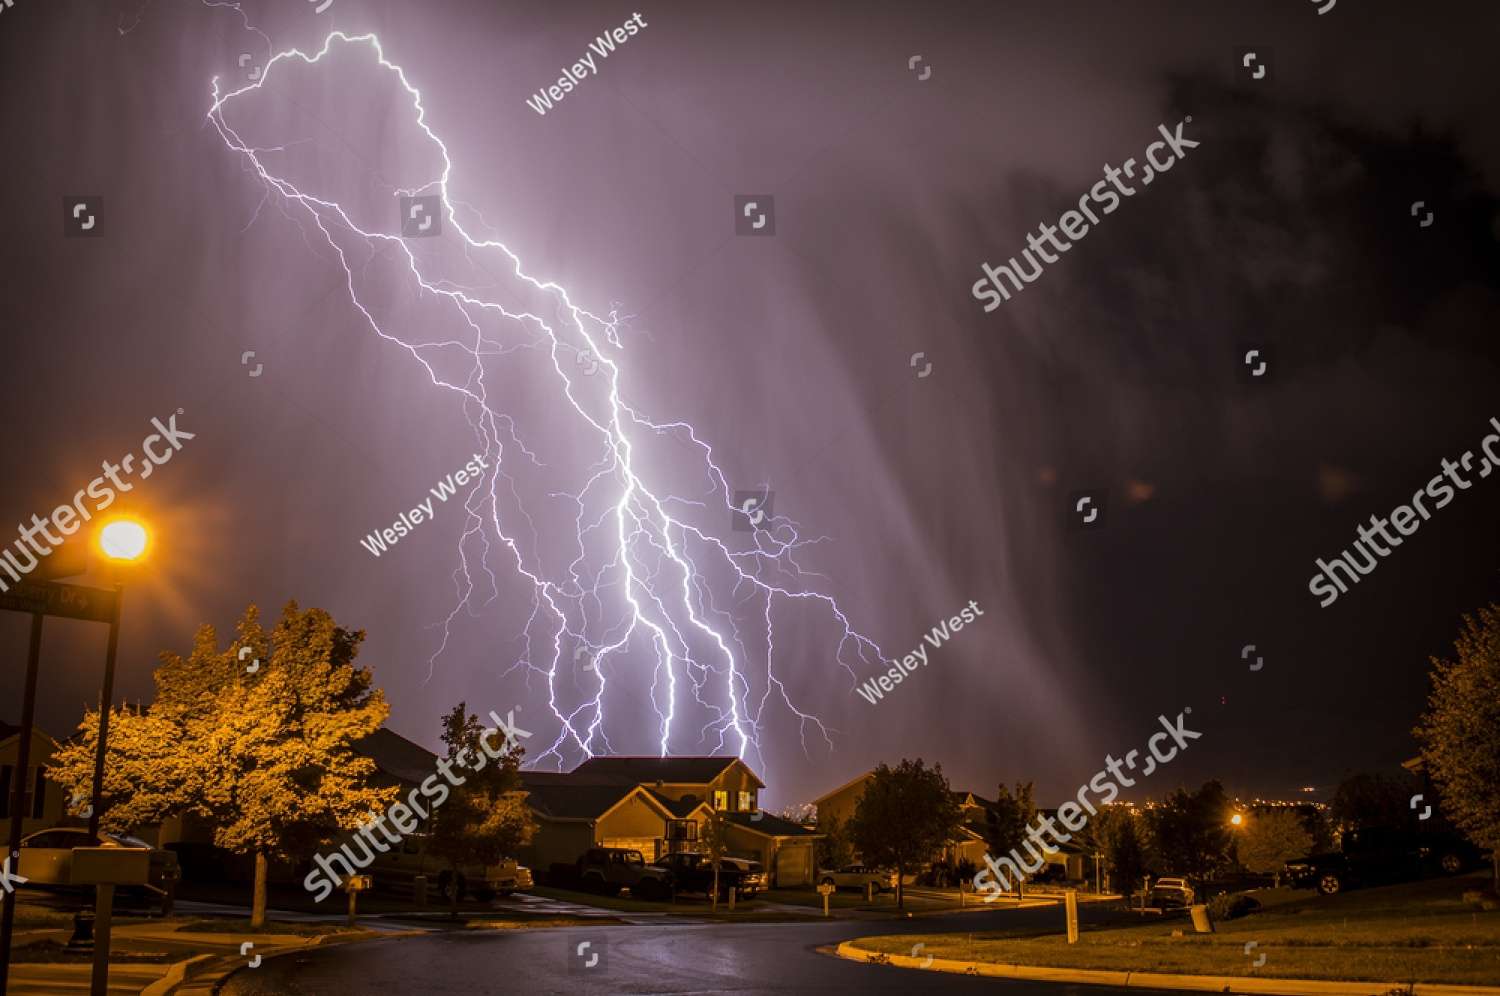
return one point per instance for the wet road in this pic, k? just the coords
(655, 958)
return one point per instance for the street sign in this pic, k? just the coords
(52, 598)
(110, 866)
(825, 890)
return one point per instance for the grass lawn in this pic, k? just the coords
(55, 953)
(1416, 932)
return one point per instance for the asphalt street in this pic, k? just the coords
(640, 958)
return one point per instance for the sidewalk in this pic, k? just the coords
(1156, 980)
(196, 961)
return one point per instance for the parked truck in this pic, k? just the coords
(608, 870)
(692, 872)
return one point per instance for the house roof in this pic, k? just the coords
(849, 784)
(770, 826)
(8, 731)
(674, 770)
(559, 796)
(680, 809)
(397, 756)
(978, 800)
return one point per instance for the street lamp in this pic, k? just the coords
(123, 540)
(1237, 819)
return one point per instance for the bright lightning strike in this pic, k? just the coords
(635, 577)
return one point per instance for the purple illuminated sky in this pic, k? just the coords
(1289, 225)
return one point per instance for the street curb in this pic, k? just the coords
(175, 976)
(208, 971)
(1157, 980)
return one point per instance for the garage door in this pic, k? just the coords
(793, 866)
(648, 846)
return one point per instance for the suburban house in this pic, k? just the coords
(969, 845)
(43, 804)
(657, 805)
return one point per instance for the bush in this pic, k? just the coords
(1232, 907)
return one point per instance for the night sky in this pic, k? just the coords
(1118, 373)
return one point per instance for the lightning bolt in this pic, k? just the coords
(639, 575)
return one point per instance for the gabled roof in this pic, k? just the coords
(680, 809)
(969, 798)
(7, 731)
(769, 826)
(849, 784)
(558, 796)
(673, 770)
(397, 756)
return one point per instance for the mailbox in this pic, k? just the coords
(826, 889)
(360, 883)
(110, 866)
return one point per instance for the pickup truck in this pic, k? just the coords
(607, 870)
(693, 872)
(1374, 855)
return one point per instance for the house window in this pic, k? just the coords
(682, 835)
(747, 802)
(34, 797)
(721, 799)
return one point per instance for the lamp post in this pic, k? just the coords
(122, 541)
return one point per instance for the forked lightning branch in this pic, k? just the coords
(682, 610)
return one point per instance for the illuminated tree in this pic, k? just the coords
(1006, 824)
(263, 757)
(905, 815)
(833, 849)
(713, 838)
(1269, 840)
(485, 818)
(1189, 832)
(1460, 732)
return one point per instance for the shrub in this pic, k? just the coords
(1232, 907)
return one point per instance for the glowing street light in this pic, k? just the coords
(123, 540)
(1237, 819)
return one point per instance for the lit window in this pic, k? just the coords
(721, 799)
(747, 802)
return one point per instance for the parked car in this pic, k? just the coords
(46, 859)
(1229, 883)
(856, 875)
(607, 870)
(399, 866)
(1375, 855)
(753, 877)
(1171, 893)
